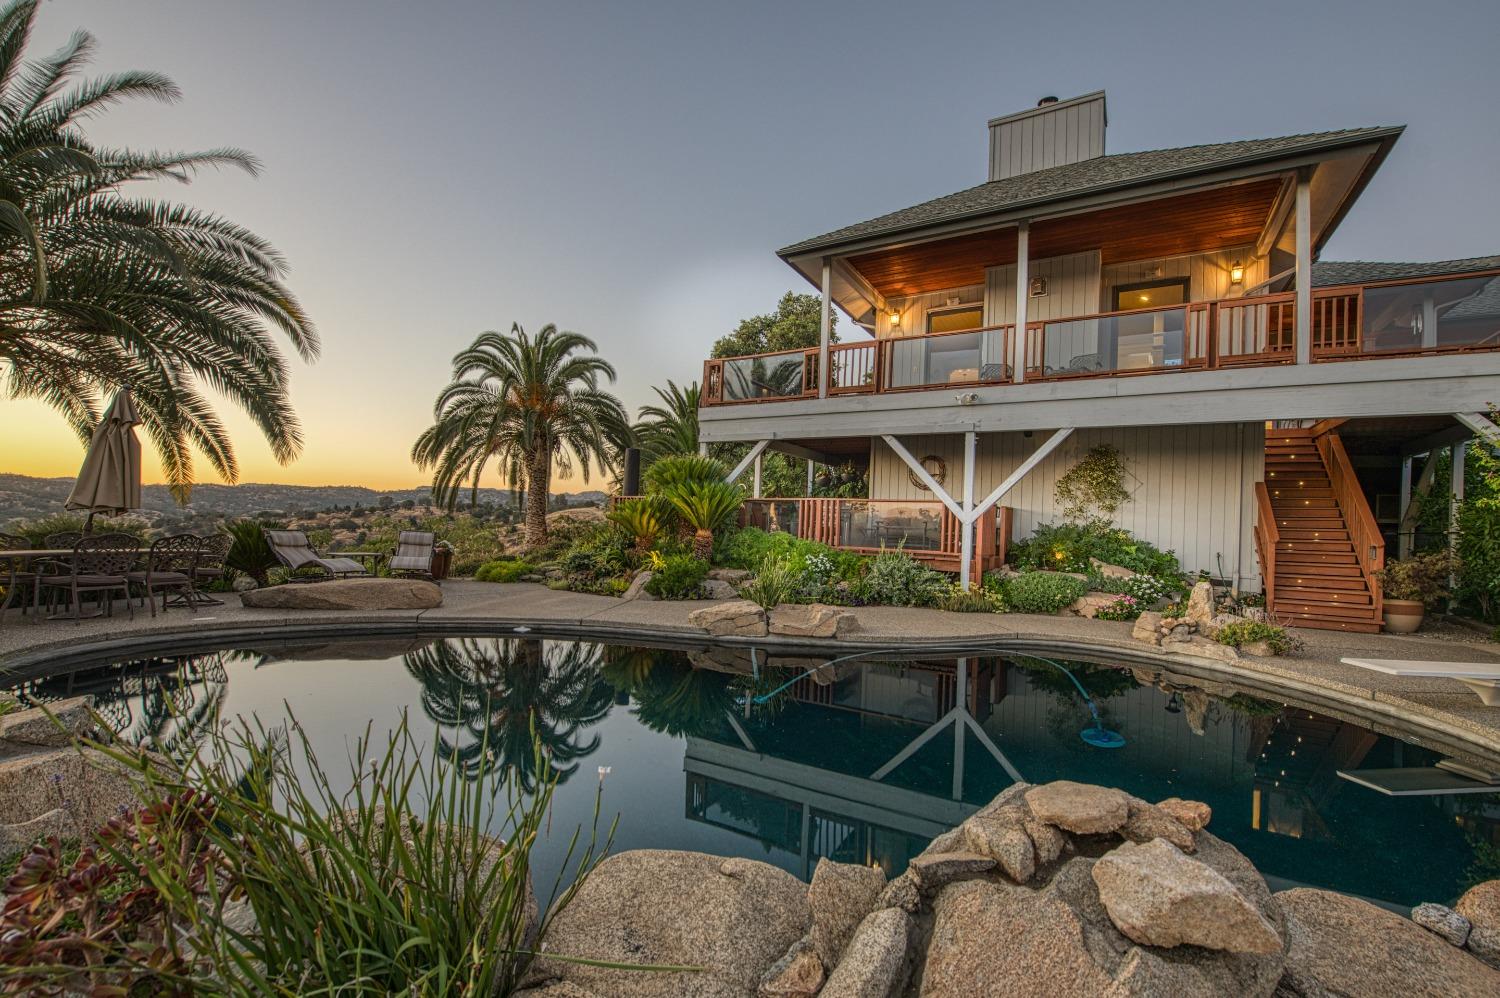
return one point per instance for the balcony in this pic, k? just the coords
(1407, 318)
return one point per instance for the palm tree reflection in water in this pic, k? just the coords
(671, 696)
(492, 691)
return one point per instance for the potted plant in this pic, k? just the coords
(1412, 585)
(442, 558)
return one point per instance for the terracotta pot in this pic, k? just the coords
(1402, 616)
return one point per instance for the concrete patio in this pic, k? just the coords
(1441, 711)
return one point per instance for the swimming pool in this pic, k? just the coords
(735, 751)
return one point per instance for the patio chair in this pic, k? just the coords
(99, 565)
(212, 552)
(62, 539)
(170, 567)
(413, 553)
(292, 549)
(17, 575)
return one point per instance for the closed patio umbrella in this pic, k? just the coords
(110, 480)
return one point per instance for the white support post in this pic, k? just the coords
(1456, 500)
(1481, 425)
(748, 460)
(825, 327)
(1403, 538)
(1303, 222)
(756, 492)
(1023, 293)
(923, 475)
(809, 478)
(966, 522)
(1014, 478)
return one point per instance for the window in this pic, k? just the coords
(954, 320)
(1152, 294)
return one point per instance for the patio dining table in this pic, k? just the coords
(28, 555)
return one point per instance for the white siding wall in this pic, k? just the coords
(1072, 289)
(1192, 486)
(1207, 273)
(914, 309)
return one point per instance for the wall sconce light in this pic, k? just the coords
(895, 320)
(1236, 273)
(1038, 288)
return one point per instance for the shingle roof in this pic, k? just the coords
(1073, 179)
(1326, 272)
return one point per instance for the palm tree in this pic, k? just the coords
(530, 403)
(669, 428)
(492, 694)
(102, 289)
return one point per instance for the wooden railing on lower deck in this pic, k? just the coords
(1267, 536)
(1364, 532)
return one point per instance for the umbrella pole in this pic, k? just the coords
(88, 524)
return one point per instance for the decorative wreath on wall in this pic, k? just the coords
(936, 467)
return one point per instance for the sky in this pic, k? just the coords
(627, 170)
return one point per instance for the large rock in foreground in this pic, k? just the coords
(61, 791)
(348, 594)
(1343, 946)
(737, 617)
(1481, 906)
(734, 918)
(1157, 896)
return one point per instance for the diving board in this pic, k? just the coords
(1416, 781)
(1481, 677)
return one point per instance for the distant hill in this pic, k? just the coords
(22, 496)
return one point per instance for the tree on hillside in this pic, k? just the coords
(794, 324)
(530, 403)
(100, 288)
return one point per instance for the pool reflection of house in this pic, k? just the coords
(833, 772)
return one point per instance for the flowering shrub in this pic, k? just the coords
(680, 577)
(1067, 547)
(974, 599)
(1123, 608)
(1245, 632)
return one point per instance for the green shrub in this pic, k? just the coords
(898, 579)
(36, 531)
(775, 583)
(679, 577)
(1067, 547)
(1246, 632)
(1041, 592)
(1422, 577)
(503, 570)
(974, 599)
(749, 547)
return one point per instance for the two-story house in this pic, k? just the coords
(1170, 303)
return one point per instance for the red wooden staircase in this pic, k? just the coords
(1317, 540)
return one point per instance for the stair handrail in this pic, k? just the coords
(1267, 536)
(1364, 533)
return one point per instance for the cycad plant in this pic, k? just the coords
(645, 518)
(704, 508)
(530, 403)
(101, 288)
(682, 469)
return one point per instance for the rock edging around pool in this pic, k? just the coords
(1062, 888)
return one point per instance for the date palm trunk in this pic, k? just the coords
(538, 483)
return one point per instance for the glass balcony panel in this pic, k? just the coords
(1135, 341)
(1437, 315)
(953, 358)
(914, 526)
(774, 376)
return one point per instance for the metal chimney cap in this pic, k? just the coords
(1045, 101)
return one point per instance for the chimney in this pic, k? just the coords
(1053, 133)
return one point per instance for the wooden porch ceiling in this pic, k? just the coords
(1191, 223)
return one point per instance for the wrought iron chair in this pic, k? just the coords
(63, 539)
(18, 576)
(170, 567)
(212, 552)
(99, 565)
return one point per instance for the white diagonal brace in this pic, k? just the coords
(1014, 478)
(924, 476)
(739, 469)
(1481, 425)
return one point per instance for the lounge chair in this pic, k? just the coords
(293, 550)
(413, 553)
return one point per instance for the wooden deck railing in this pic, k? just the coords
(1364, 532)
(1454, 313)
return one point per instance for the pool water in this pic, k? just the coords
(787, 760)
